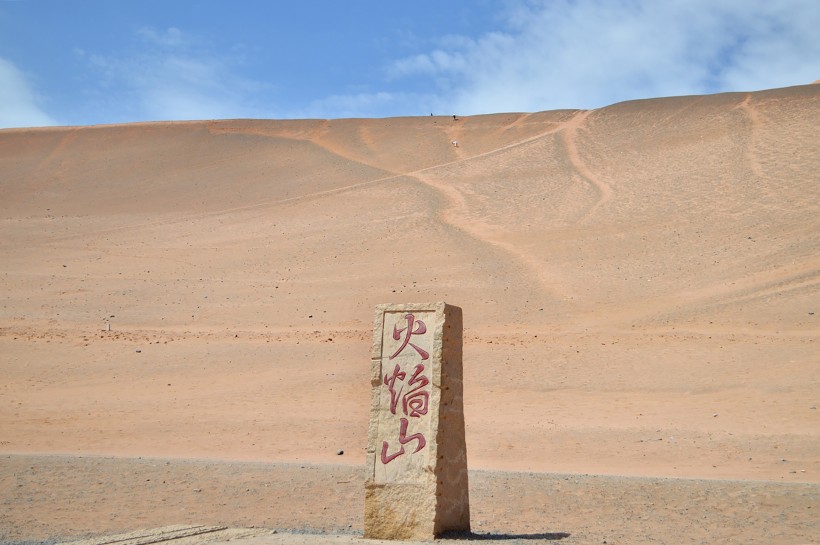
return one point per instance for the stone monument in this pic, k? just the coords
(416, 482)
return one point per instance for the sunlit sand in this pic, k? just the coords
(640, 287)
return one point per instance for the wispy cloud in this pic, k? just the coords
(541, 55)
(171, 75)
(590, 53)
(374, 104)
(19, 104)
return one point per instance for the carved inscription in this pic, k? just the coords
(405, 382)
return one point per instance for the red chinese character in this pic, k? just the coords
(403, 440)
(416, 399)
(390, 382)
(420, 330)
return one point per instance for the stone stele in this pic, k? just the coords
(416, 482)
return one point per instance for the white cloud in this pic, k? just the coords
(784, 48)
(417, 64)
(174, 76)
(18, 101)
(590, 53)
(366, 105)
(172, 37)
(546, 54)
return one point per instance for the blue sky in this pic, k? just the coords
(84, 62)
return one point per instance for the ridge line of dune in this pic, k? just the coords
(762, 284)
(766, 284)
(603, 189)
(471, 227)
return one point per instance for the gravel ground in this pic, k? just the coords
(49, 499)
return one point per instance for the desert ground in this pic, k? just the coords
(186, 313)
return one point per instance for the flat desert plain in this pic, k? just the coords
(186, 313)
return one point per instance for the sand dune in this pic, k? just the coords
(640, 284)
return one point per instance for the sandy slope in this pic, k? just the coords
(640, 284)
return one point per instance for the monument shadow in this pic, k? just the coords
(471, 536)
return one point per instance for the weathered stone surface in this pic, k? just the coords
(416, 486)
